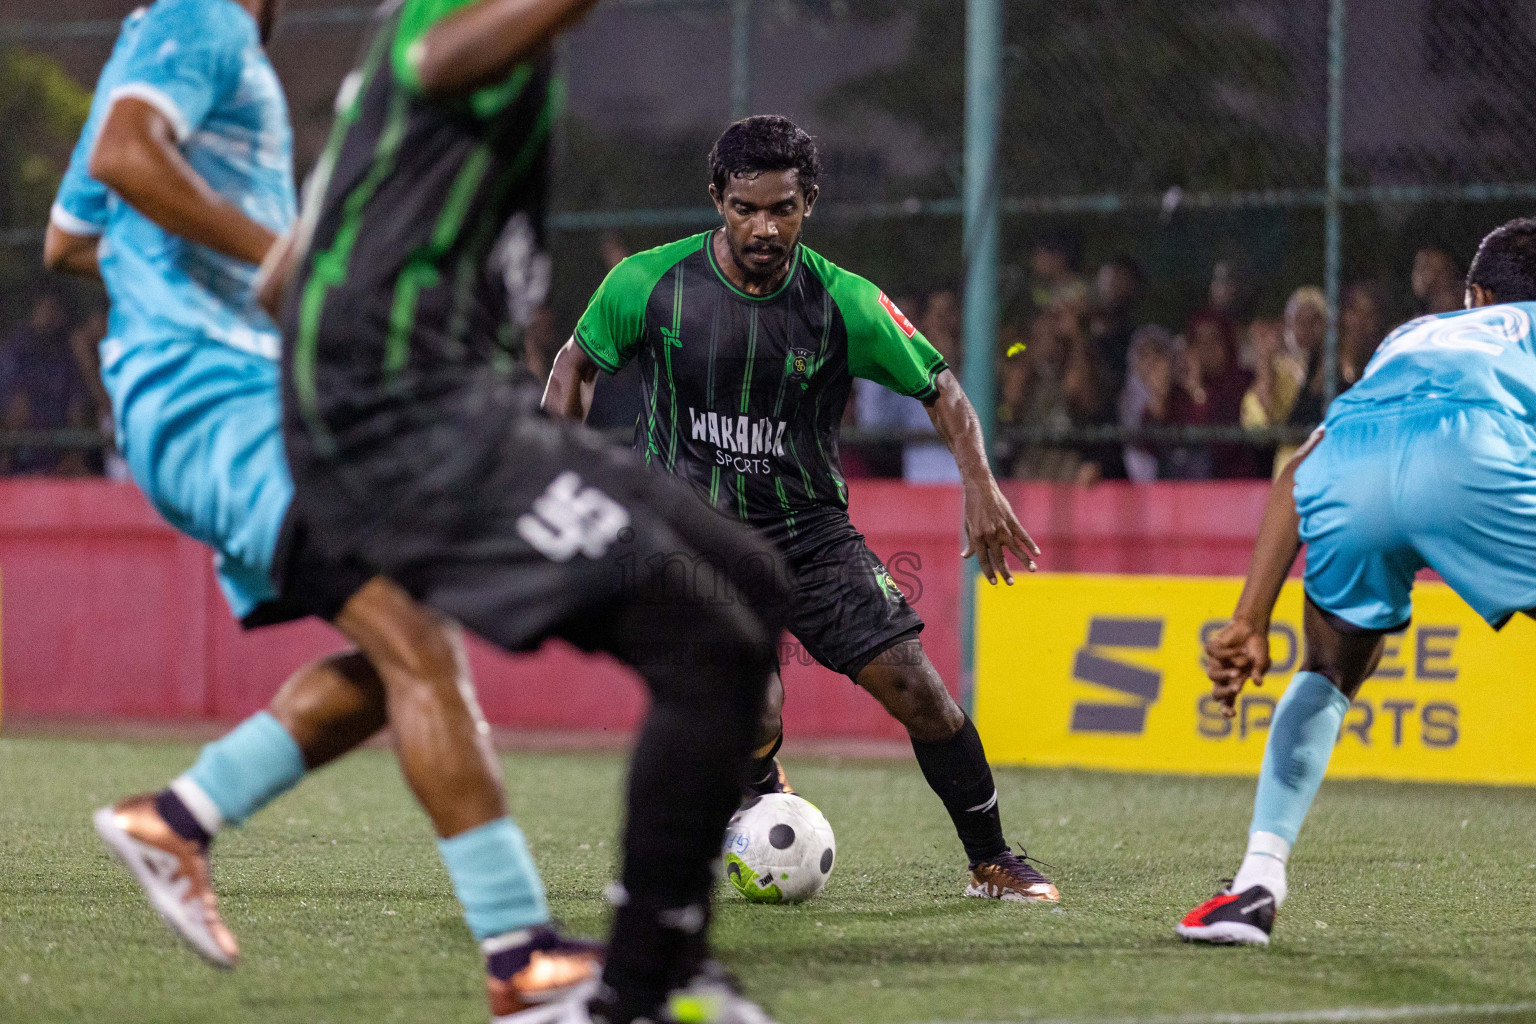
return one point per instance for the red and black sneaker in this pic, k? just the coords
(1232, 918)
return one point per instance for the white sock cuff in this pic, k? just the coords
(199, 803)
(1270, 845)
(500, 943)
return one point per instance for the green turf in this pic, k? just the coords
(1401, 895)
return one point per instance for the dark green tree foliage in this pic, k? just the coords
(41, 112)
(1112, 95)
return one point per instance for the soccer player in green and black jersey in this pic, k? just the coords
(748, 344)
(428, 492)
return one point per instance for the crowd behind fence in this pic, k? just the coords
(1213, 210)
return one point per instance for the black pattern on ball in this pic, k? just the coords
(826, 861)
(781, 837)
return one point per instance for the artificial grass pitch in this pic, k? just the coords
(1401, 895)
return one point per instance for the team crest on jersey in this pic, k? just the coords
(883, 577)
(800, 362)
(897, 315)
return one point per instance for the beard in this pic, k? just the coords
(757, 271)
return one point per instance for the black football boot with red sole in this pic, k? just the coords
(1232, 918)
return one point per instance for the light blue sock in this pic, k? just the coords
(495, 879)
(241, 773)
(1301, 739)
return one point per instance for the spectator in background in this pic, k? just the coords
(1362, 325)
(1116, 294)
(1148, 400)
(878, 408)
(1053, 277)
(1289, 364)
(1437, 282)
(1306, 329)
(1212, 386)
(1231, 292)
(1053, 384)
(42, 388)
(1288, 387)
(85, 345)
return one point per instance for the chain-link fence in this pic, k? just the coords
(1214, 155)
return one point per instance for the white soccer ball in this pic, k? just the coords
(779, 849)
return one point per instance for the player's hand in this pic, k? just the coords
(991, 529)
(1236, 653)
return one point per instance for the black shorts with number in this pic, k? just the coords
(845, 607)
(518, 526)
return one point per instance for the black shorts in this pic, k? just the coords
(518, 526)
(845, 607)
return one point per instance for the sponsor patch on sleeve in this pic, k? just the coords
(897, 315)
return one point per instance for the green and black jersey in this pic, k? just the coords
(424, 221)
(744, 394)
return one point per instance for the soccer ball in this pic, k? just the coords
(779, 849)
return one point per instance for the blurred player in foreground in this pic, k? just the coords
(426, 476)
(1430, 460)
(190, 134)
(748, 344)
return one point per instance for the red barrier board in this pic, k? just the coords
(106, 612)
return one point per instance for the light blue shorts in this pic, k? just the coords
(1392, 490)
(201, 427)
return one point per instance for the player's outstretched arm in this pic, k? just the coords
(67, 253)
(991, 528)
(137, 157)
(1239, 651)
(572, 382)
(481, 43)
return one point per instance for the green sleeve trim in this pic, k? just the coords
(879, 348)
(593, 354)
(929, 393)
(611, 329)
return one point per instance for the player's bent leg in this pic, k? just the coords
(1302, 735)
(333, 712)
(706, 662)
(950, 753)
(764, 774)
(445, 753)
(324, 709)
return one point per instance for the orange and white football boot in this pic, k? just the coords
(173, 872)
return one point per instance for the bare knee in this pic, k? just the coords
(905, 682)
(411, 646)
(1345, 658)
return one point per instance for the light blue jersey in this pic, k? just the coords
(1429, 461)
(190, 360)
(1484, 357)
(200, 63)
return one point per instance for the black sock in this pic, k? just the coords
(707, 664)
(180, 818)
(763, 770)
(957, 771)
(653, 949)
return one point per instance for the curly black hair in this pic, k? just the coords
(766, 142)
(1505, 263)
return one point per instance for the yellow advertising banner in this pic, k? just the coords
(1106, 672)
